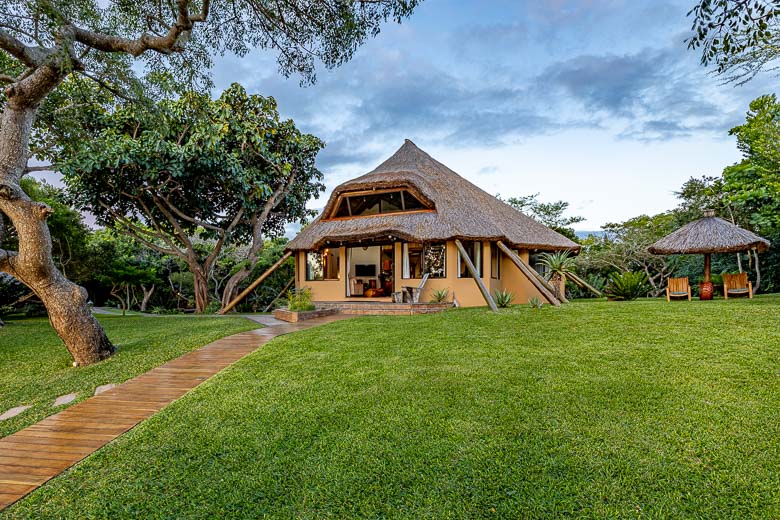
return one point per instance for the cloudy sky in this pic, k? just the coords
(596, 102)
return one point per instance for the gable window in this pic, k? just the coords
(474, 251)
(322, 265)
(418, 259)
(495, 261)
(395, 201)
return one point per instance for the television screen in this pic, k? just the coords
(365, 270)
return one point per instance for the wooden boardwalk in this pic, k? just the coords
(39, 452)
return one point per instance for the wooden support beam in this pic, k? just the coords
(540, 283)
(475, 275)
(286, 288)
(582, 283)
(254, 284)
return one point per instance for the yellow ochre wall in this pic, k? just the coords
(465, 290)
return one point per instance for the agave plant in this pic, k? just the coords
(535, 303)
(626, 286)
(439, 295)
(559, 264)
(503, 298)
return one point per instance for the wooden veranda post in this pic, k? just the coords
(254, 284)
(537, 281)
(475, 275)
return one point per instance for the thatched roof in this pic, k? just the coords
(709, 235)
(462, 210)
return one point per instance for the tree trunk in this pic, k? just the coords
(757, 286)
(33, 265)
(231, 287)
(116, 294)
(201, 288)
(147, 296)
(558, 284)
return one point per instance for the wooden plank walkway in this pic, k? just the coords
(42, 451)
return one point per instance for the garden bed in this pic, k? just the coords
(296, 316)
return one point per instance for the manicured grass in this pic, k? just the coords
(632, 410)
(35, 366)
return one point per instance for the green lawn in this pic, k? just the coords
(631, 410)
(35, 367)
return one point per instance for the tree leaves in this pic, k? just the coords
(740, 37)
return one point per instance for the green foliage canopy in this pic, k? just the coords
(755, 182)
(196, 165)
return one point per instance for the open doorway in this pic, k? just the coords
(370, 271)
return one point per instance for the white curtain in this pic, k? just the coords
(349, 271)
(405, 261)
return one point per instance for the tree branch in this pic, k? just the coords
(41, 168)
(30, 56)
(165, 44)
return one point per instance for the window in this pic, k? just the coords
(535, 262)
(474, 251)
(322, 265)
(378, 203)
(419, 259)
(495, 261)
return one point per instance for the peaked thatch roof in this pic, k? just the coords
(709, 235)
(462, 210)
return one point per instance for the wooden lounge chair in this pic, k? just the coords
(678, 288)
(413, 293)
(737, 285)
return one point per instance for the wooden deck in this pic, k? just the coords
(35, 454)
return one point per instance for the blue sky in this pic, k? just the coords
(596, 102)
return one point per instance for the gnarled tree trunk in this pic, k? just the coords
(147, 296)
(33, 265)
(231, 287)
(200, 285)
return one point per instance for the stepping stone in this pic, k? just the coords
(64, 399)
(104, 388)
(13, 412)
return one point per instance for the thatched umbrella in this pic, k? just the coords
(706, 236)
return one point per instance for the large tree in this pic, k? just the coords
(226, 171)
(42, 42)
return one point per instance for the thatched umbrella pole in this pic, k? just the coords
(707, 266)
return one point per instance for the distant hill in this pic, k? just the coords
(585, 234)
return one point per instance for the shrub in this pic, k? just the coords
(213, 307)
(300, 300)
(596, 281)
(164, 310)
(503, 298)
(535, 303)
(626, 286)
(439, 295)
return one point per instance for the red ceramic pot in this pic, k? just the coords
(705, 290)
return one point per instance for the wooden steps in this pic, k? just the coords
(383, 308)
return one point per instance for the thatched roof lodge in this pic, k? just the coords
(386, 229)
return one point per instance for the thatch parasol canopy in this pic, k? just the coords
(709, 235)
